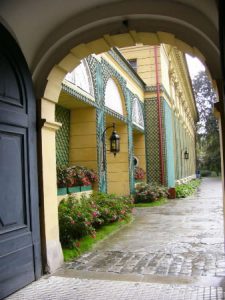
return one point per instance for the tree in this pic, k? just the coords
(208, 145)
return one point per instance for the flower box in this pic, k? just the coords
(73, 189)
(138, 181)
(61, 191)
(86, 188)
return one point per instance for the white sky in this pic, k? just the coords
(194, 65)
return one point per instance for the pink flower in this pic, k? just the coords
(95, 214)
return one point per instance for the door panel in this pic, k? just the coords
(9, 84)
(20, 261)
(13, 211)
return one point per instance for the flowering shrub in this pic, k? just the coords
(61, 177)
(186, 189)
(78, 219)
(139, 173)
(149, 193)
(75, 176)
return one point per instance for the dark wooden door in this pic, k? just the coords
(20, 261)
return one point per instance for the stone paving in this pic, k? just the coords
(175, 251)
(160, 263)
(183, 237)
(59, 288)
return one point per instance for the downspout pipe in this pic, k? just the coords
(161, 160)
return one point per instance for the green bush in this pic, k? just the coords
(186, 189)
(81, 218)
(146, 193)
(205, 173)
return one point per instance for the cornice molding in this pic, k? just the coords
(76, 94)
(124, 64)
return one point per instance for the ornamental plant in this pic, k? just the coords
(146, 193)
(61, 177)
(139, 173)
(75, 176)
(81, 218)
(186, 189)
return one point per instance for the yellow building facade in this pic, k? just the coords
(152, 108)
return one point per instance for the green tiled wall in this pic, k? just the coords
(62, 115)
(152, 140)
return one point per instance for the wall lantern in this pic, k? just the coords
(186, 154)
(114, 144)
(114, 141)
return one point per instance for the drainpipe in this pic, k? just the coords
(159, 116)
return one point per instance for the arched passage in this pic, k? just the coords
(94, 31)
(50, 98)
(63, 39)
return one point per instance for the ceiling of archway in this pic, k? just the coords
(46, 31)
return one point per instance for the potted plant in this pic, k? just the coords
(73, 181)
(90, 177)
(139, 174)
(80, 179)
(61, 181)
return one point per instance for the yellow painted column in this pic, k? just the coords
(118, 166)
(139, 149)
(50, 224)
(83, 143)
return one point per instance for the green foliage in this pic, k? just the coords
(86, 243)
(159, 202)
(186, 189)
(146, 193)
(81, 218)
(208, 144)
(205, 173)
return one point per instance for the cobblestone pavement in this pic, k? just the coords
(160, 263)
(175, 251)
(183, 237)
(59, 288)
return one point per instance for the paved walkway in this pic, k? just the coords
(183, 237)
(175, 251)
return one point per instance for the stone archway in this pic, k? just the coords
(50, 98)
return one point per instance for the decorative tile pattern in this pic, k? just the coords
(109, 72)
(115, 114)
(101, 71)
(62, 115)
(100, 124)
(130, 141)
(93, 64)
(152, 140)
(153, 88)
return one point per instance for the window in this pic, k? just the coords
(81, 77)
(137, 114)
(112, 97)
(133, 63)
